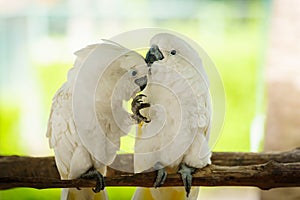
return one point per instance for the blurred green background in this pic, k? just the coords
(38, 38)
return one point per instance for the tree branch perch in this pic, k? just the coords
(263, 170)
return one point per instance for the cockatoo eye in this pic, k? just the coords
(134, 73)
(173, 52)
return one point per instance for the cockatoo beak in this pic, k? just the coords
(141, 82)
(154, 54)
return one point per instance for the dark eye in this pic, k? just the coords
(173, 52)
(133, 73)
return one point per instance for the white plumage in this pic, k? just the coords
(180, 114)
(87, 116)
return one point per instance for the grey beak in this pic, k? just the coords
(141, 82)
(154, 54)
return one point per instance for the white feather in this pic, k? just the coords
(78, 142)
(178, 92)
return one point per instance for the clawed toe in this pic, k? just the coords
(95, 175)
(137, 105)
(161, 175)
(186, 176)
(160, 178)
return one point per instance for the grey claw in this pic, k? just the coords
(141, 95)
(161, 175)
(136, 105)
(186, 176)
(94, 174)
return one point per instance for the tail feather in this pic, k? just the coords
(83, 194)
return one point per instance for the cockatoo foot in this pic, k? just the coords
(136, 105)
(186, 176)
(95, 175)
(161, 176)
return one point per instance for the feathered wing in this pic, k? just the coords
(82, 146)
(72, 158)
(62, 133)
(177, 131)
(100, 128)
(183, 75)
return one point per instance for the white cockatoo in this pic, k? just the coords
(87, 117)
(176, 138)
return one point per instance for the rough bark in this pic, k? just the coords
(263, 170)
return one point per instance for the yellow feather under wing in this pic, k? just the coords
(139, 130)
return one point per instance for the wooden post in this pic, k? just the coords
(283, 82)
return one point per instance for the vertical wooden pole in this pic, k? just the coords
(283, 85)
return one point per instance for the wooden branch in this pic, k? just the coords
(263, 170)
(234, 159)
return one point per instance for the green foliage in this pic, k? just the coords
(117, 193)
(9, 127)
(51, 77)
(30, 194)
(233, 44)
(238, 60)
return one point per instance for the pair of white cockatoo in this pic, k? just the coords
(173, 112)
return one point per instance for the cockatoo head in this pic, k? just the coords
(166, 47)
(134, 76)
(138, 76)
